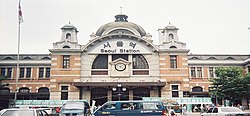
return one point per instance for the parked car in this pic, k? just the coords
(23, 112)
(131, 108)
(48, 110)
(225, 111)
(75, 108)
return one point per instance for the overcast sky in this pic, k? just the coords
(207, 26)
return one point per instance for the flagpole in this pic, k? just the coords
(18, 53)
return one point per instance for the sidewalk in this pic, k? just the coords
(246, 110)
(190, 114)
(198, 113)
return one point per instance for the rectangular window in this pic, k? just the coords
(199, 71)
(64, 92)
(66, 60)
(28, 72)
(175, 94)
(3, 70)
(64, 95)
(175, 87)
(64, 88)
(175, 90)
(173, 62)
(211, 71)
(47, 74)
(21, 73)
(193, 74)
(41, 71)
(9, 72)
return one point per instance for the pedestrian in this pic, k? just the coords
(240, 107)
(171, 112)
(184, 110)
(195, 109)
(202, 108)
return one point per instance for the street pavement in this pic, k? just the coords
(190, 114)
(198, 113)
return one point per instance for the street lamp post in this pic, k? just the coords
(216, 97)
(119, 89)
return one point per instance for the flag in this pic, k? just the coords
(20, 14)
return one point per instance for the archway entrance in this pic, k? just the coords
(100, 95)
(43, 93)
(140, 92)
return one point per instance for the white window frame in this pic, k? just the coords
(197, 72)
(175, 90)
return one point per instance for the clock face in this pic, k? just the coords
(120, 67)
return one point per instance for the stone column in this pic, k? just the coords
(130, 94)
(109, 95)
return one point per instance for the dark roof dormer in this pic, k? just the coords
(121, 17)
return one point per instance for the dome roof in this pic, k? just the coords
(121, 23)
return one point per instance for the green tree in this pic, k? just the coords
(246, 85)
(229, 83)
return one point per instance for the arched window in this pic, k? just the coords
(68, 36)
(66, 47)
(197, 89)
(24, 90)
(43, 93)
(139, 62)
(212, 58)
(172, 47)
(8, 58)
(171, 36)
(194, 58)
(100, 62)
(46, 58)
(27, 58)
(229, 58)
(43, 90)
(140, 65)
(4, 90)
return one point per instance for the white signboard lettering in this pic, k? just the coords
(120, 46)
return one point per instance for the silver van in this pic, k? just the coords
(75, 108)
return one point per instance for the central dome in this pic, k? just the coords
(121, 25)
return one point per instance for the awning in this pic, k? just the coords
(103, 84)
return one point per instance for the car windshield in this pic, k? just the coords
(231, 109)
(75, 105)
(19, 113)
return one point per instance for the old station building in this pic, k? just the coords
(120, 62)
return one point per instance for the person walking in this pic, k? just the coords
(171, 112)
(184, 110)
(240, 107)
